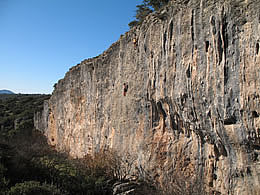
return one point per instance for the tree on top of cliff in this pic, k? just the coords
(156, 4)
(146, 8)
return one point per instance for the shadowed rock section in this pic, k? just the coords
(192, 103)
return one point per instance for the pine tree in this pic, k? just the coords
(156, 4)
(142, 11)
(146, 8)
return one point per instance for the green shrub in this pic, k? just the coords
(33, 188)
(3, 181)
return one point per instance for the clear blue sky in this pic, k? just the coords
(41, 39)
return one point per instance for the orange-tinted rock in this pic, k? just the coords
(192, 104)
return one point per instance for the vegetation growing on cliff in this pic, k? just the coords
(147, 7)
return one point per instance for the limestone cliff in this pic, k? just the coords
(192, 102)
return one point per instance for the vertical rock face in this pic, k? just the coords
(192, 102)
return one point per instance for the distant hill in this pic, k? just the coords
(4, 91)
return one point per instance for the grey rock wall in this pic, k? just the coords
(192, 102)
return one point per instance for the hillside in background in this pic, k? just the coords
(4, 91)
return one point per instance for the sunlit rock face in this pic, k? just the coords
(192, 102)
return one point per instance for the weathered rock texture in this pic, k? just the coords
(192, 103)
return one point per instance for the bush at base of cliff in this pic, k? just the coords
(3, 181)
(32, 188)
(109, 164)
